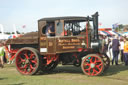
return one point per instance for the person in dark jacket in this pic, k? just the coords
(115, 50)
(50, 31)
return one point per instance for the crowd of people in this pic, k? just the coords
(116, 46)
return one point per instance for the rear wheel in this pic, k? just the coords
(27, 61)
(92, 65)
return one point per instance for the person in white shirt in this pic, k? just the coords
(122, 49)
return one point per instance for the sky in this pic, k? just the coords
(28, 12)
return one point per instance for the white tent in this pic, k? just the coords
(103, 33)
(114, 33)
(125, 34)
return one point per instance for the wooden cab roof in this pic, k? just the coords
(66, 18)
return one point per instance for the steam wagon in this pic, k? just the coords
(73, 40)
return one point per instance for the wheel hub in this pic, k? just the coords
(92, 65)
(27, 61)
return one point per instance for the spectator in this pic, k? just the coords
(126, 50)
(122, 49)
(115, 50)
(105, 44)
(109, 53)
(1, 54)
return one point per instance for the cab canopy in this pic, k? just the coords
(69, 25)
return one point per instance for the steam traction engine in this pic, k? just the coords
(74, 41)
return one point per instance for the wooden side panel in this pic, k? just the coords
(51, 45)
(29, 38)
(43, 44)
(70, 44)
(42, 37)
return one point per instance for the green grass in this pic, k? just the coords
(65, 75)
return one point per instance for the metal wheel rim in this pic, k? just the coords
(92, 65)
(26, 62)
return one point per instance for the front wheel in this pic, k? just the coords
(92, 65)
(27, 61)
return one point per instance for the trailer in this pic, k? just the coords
(69, 40)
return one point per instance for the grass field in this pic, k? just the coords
(65, 75)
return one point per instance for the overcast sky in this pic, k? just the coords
(27, 12)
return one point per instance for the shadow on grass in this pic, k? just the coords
(112, 70)
(17, 84)
(63, 69)
(115, 70)
(2, 78)
(9, 65)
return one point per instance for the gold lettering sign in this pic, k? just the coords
(68, 47)
(75, 40)
(73, 44)
(63, 40)
(62, 44)
(69, 43)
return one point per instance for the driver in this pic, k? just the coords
(50, 31)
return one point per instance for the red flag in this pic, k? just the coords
(24, 26)
(100, 23)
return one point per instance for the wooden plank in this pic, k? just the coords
(29, 38)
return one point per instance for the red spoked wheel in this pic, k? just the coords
(27, 61)
(92, 65)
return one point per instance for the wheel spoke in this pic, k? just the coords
(98, 61)
(95, 70)
(95, 60)
(88, 69)
(97, 66)
(31, 56)
(23, 60)
(31, 67)
(30, 70)
(90, 59)
(19, 62)
(34, 61)
(25, 66)
(25, 70)
(26, 56)
(86, 65)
